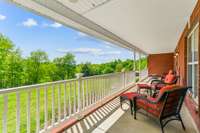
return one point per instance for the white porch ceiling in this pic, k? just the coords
(149, 26)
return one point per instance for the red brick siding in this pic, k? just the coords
(181, 66)
(160, 63)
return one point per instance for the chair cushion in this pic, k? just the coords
(154, 109)
(159, 86)
(167, 88)
(147, 86)
(129, 95)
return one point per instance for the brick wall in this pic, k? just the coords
(181, 61)
(160, 63)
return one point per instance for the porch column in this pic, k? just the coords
(134, 58)
(79, 78)
(139, 54)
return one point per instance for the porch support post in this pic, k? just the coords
(146, 61)
(134, 58)
(139, 64)
(79, 77)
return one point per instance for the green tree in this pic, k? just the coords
(66, 66)
(6, 47)
(34, 68)
(108, 69)
(15, 69)
(49, 72)
(86, 69)
(119, 67)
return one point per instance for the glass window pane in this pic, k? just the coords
(189, 50)
(189, 75)
(195, 80)
(196, 38)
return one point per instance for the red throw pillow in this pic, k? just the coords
(169, 78)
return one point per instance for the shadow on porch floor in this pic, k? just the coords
(120, 122)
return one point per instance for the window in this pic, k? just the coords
(192, 61)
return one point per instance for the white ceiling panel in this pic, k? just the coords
(150, 26)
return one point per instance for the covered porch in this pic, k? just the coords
(108, 117)
(157, 30)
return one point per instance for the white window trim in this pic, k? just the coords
(192, 63)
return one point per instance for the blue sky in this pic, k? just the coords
(30, 32)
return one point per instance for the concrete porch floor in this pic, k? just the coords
(123, 122)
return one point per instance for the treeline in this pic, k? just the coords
(37, 68)
(89, 69)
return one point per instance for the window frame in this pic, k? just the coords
(193, 62)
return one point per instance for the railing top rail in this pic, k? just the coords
(103, 75)
(9, 90)
(29, 87)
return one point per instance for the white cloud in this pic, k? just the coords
(53, 25)
(56, 25)
(2, 17)
(93, 51)
(108, 43)
(108, 47)
(30, 22)
(88, 50)
(81, 34)
(109, 53)
(81, 51)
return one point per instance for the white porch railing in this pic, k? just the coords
(36, 108)
(143, 73)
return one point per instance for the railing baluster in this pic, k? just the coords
(38, 110)
(87, 96)
(105, 86)
(65, 112)
(18, 112)
(53, 105)
(74, 97)
(101, 88)
(28, 112)
(69, 106)
(5, 110)
(83, 94)
(97, 87)
(101, 84)
(45, 108)
(110, 85)
(79, 78)
(59, 108)
(90, 92)
(93, 90)
(97, 90)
